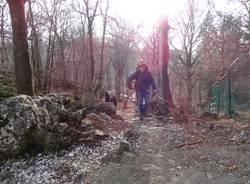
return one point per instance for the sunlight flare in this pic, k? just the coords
(149, 11)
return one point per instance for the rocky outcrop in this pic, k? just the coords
(48, 123)
(157, 106)
(20, 117)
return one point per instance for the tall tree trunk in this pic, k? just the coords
(108, 78)
(23, 72)
(189, 89)
(2, 36)
(90, 24)
(4, 55)
(51, 64)
(47, 65)
(49, 61)
(91, 52)
(35, 54)
(63, 62)
(164, 59)
(101, 73)
(156, 56)
(118, 86)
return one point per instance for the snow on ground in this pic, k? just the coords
(63, 167)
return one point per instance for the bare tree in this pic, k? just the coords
(189, 29)
(245, 27)
(104, 29)
(222, 42)
(3, 50)
(57, 20)
(35, 50)
(246, 16)
(23, 72)
(123, 42)
(90, 13)
(164, 62)
(62, 36)
(150, 53)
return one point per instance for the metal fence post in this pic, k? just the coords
(229, 95)
(218, 105)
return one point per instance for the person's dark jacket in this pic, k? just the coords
(143, 80)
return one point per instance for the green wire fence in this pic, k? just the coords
(230, 95)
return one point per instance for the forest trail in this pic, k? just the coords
(169, 153)
(159, 151)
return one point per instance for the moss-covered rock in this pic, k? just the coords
(5, 92)
(19, 118)
(47, 123)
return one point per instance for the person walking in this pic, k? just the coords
(143, 81)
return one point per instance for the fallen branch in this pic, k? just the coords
(188, 144)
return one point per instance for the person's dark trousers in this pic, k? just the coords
(143, 101)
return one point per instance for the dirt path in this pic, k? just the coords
(161, 152)
(168, 153)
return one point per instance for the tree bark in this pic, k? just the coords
(23, 72)
(164, 59)
(90, 23)
(35, 54)
(47, 65)
(189, 89)
(4, 56)
(91, 53)
(101, 73)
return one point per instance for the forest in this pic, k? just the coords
(59, 59)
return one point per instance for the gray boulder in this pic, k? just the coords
(39, 124)
(44, 124)
(157, 106)
(20, 117)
